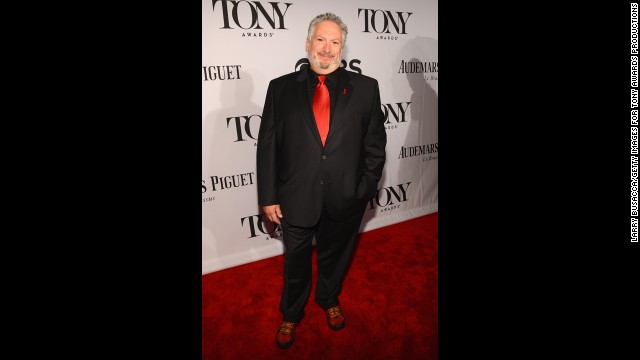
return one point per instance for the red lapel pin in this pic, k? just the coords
(344, 91)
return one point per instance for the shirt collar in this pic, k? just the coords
(331, 77)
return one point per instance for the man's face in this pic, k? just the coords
(324, 50)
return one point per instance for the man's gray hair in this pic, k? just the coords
(328, 17)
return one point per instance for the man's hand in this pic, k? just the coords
(273, 213)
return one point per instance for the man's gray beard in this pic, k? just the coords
(318, 64)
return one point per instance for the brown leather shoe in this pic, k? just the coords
(286, 334)
(335, 318)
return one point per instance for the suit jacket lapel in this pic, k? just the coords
(343, 90)
(302, 94)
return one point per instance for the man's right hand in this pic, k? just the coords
(273, 213)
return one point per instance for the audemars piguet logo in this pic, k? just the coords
(427, 151)
(255, 18)
(224, 182)
(384, 23)
(428, 68)
(390, 198)
(221, 72)
(418, 67)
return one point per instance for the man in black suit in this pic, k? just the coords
(320, 154)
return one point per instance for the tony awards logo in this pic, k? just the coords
(252, 16)
(390, 198)
(384, 23)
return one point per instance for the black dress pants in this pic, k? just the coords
(335, 242)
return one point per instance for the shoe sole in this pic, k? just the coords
(339, 327)
(285, 345)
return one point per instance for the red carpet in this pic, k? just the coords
(389, 296)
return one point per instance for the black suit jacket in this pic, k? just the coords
(295, 171)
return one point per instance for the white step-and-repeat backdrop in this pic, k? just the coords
(245, 44)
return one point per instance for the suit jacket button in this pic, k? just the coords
(321, 182)
(324, 157)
